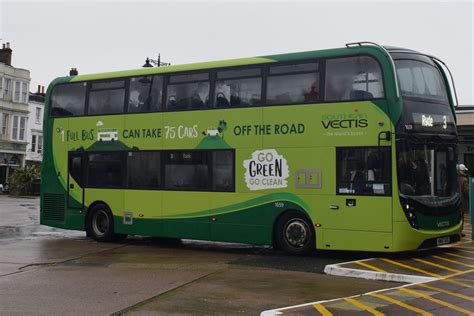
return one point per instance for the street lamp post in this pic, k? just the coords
(156, 62)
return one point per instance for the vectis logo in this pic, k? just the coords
(443, 224)
(345, 120)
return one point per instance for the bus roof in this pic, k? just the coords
(334, 52)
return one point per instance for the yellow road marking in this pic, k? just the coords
(362, 263)
(364, 307)
(322, 310)
(459, 256)
(434, 288)
(412, 268)
(402, 304)
(436, 265)
(464, 250)
(440, 302)
(454, 261)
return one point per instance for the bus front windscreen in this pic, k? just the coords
(426, 107)
(427, 172)
(421, 81)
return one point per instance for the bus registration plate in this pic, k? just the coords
(442, 240)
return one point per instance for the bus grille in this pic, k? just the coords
(53, 207)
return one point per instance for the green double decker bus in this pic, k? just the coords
(352, 148)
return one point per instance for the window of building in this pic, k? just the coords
(186, 170)
(33, 143)
(5, 123)
(144, 169)
(107, 97)
(105, 169)
(363, 170)
(38, 115)
(24, 92)
(68, 99)
(353, 78)
(40, 144)
(296, 83)
(17, 90)
(238, 87)
(22, 135)
(223, 171)
(7, 83)
(16, 120)
(189, 91)
(145, 94)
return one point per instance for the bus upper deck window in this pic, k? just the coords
(353, 78)
(240, 87)
(294, 83)
(145, 94)
(107, 97)
(68, 99)
(188, 91)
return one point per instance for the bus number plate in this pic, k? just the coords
(442, 241)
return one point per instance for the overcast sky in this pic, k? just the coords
(49, 38)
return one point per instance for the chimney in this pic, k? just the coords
(42, 90)
(73, 72)
(39, 89)
(6, 54)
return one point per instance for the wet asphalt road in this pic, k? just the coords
(44, 270)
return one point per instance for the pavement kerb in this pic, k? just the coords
(338, 270)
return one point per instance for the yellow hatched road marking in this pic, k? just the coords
(436, 265)
(459, 256)
(440, 302)
(464, 250)
(322, 310)
(402, 304)
(454, 261)
(434, 288)
(412, 268)
(362, 263)
(364, 307)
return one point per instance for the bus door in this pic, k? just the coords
(75, 181)
(361, 211)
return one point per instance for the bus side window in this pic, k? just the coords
(105, 169)
(68, 99)
(107, 97)
(353, 78)
(145, 94)
(144, 169)
(295, 83)
(363, 170)
(188, 91)
(239, 87)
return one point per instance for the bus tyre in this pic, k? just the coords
(295, 234)
(100, 223)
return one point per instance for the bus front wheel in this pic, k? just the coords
(100, 223)
(295, 234)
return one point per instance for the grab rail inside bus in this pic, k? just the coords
(348, 45)
(438, 60)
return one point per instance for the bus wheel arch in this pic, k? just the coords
(293, 232)
(99, 222)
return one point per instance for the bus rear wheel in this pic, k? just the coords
(295, 234)
(100, 223)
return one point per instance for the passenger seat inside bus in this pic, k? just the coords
(361, 95)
